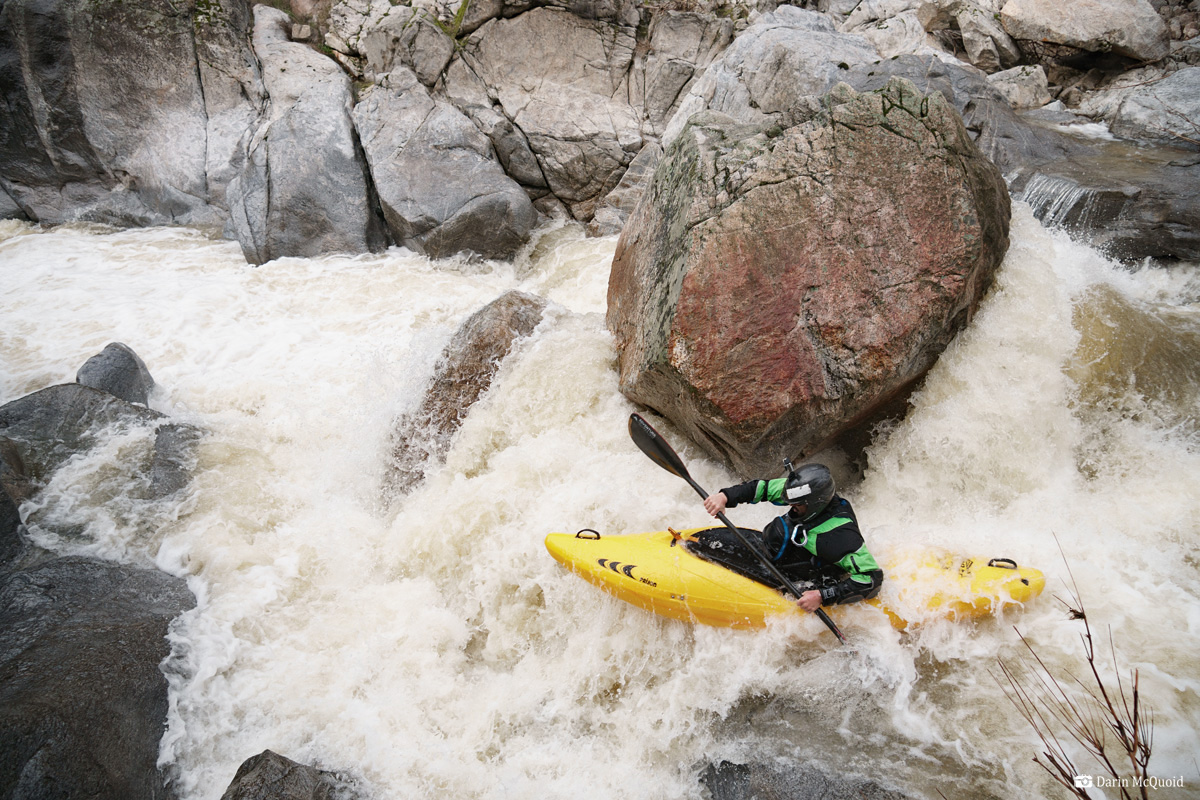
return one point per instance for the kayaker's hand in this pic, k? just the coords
(810, 601)
(715, 503)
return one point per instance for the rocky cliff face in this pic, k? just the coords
(149, 113)
(777, 287)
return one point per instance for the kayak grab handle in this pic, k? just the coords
(596, 535)
(1003, 563)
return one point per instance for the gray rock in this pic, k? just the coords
(988, 45)
(1024, 87)
(94, 133)
(303, 189)
(619, 204)
(1129, 28)
(728, 781)
(49, 427)
(270, 776)
(1167, 110)
(773, 69)
(1132, 202)
(999, 132)
(463, 373)
(441, 189)
(83, 702)
(682, 45)
(120, 372)
(894, 36)
(407, 37)
(13, 489)
(569, 103)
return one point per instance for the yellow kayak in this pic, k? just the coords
(659, 572)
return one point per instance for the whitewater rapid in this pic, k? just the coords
(431, 648)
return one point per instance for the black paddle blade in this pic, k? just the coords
(656, 447)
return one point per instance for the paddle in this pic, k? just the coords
(661, 453)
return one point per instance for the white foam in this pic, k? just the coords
(436, 650)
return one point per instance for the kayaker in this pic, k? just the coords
(817, 540)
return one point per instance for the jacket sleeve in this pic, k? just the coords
(862, 582)
(754, 491)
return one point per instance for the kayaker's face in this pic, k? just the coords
(799, 509)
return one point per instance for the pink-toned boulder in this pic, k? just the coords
(775, 289)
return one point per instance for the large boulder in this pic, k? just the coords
(124, 113)
(1130, 28)
(776, 288)
(303, 189)
(42, 431)
(83, 701)
(463, 373)
(440, 186)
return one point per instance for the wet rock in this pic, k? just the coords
(441, 189)
(303, 189)
(13, 489)
(1133, 202)
(776, 288)
(120, 372)
(83, 703)
(463, 373)
(50, 426)
(270, 776)
(729, 781)
(1130, 28)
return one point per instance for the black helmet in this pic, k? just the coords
(810, 485)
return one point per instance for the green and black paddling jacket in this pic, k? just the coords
(826, 551)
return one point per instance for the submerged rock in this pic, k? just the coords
(270, 776)
(83, 701)
(463, 373)
(729, 781)
(776, 289)
(120, 372)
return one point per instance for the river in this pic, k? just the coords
(429, 646)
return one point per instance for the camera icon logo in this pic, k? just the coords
(1083, 781)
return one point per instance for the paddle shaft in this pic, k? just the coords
(653, 445)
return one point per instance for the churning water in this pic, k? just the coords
(432, 648)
